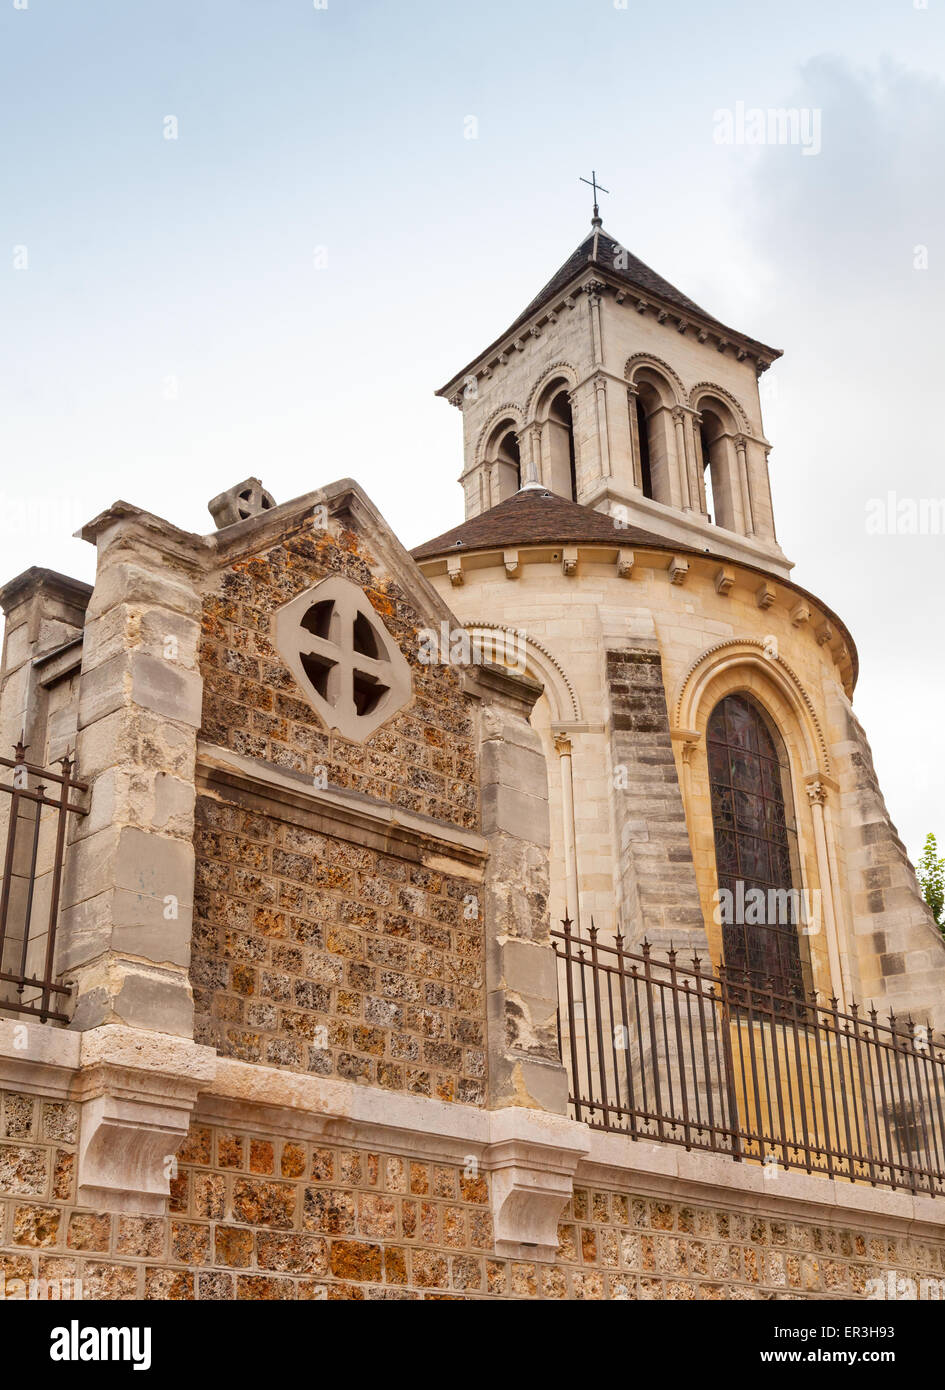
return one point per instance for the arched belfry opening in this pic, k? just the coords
(558, 458)
(504, 462)
(652, 402)
(561, 447)
(718, 462)
(643, 436)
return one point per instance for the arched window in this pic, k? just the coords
(504, 462)
(643, 435)
(707, 475)
(718, 461)
(561, 447)
(756, 848)
(655, 439)
(553, 413)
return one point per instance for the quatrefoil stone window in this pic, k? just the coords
(347, 665)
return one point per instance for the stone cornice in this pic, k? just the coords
(139, 1091)
(38, 580)
(333, 810)
(785, 592)
(668, 1173)
(595, 279)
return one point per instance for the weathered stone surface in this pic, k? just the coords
(659, 891)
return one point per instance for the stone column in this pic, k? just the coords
(698, 464)
(127, 900)
(563, 749)
(531, 456)
(521, 969)
(633, 392)
(600, 388)
(741, 446)
(682, 469)
(817, 795)
(594, 289)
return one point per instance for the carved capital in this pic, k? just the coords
(816, 793)
(562, 743)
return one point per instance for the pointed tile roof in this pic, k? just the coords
(615, 262)
(535, 516)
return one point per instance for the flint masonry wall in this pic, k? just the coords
(312, 951)
(326, 956)
(264, 1215)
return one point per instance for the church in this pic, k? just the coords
(518, 917)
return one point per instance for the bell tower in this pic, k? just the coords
(614, 390)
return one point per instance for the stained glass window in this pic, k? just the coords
(755, 848)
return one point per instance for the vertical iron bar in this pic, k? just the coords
(657, 1089)
(601, 1054)
(572, 1021)
(8, 866)
(56, 881)
(731, 1090)
(825, 1149)
(27, 916)
(625, 1020)
(680, 1050)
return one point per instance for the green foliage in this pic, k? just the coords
(930, 872)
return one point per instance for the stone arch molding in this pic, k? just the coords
(560, 693)
(753, 653)
(646, 359)
(513, 412)
(554, 369)
(345, 662)
(711, 388)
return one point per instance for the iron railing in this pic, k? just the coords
(704, 1058)
(32, 877)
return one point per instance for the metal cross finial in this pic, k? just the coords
(598, 188)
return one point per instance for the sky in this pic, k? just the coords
(253, 238)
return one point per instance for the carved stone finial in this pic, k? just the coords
(246, 499)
